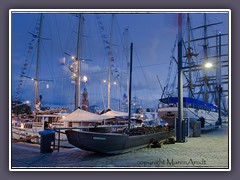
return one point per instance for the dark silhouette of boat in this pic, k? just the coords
(114, 143)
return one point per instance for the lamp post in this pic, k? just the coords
(219, 89)
(180, 137)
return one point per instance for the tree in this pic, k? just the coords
(20, 108)
(139, 110)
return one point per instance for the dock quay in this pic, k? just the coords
(209, 151)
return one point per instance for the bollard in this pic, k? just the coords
(196, 128)
(47, 137)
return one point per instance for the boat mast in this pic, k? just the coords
(205, 58)
(127, 54)
(109, 65)
(78, 65)
(38, 64)
(130, 88)
(189, 56)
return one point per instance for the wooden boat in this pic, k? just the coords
(114, 143)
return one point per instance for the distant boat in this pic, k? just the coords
(193, 110)
(119, 142)
(28, 129)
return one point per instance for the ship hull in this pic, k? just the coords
(169, 114)
(113, 143)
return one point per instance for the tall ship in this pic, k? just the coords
(26, 124)
(205, 90)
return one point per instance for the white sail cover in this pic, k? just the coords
(113, 113)
(80, 115)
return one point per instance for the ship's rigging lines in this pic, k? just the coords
(167, 88)
(194, 67)
(34, 44)
(105, 39)
(30, 52)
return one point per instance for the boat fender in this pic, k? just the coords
(155, 143)
(170, 140)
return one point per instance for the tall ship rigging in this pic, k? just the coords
(28, 126)
(205, 99)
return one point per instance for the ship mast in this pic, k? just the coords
(130, 88)
(78, 64)
(36, 101)
(109, 65)
(205, 58)
(126, 34)
(189, 56)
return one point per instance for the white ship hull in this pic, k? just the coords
(169, 114)
(29, 130)
(19, 133)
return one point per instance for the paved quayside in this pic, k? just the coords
(208, 151)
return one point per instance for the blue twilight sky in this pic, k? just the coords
(153, 36)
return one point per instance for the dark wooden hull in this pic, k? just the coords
(113, 143)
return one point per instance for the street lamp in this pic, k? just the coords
(27, 102)
(180, 137)
(85, 79)
(208, 65)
